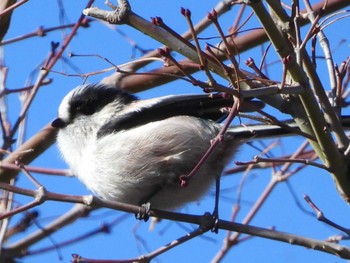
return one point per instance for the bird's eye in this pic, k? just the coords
(87, 110)
(83, 110)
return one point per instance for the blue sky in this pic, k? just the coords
(280, 209)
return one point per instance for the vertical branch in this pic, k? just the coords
(325, 147)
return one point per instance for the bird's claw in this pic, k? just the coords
(143, 213)
(210, 222)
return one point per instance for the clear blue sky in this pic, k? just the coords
(280, 210)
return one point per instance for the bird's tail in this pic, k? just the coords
(266, 131)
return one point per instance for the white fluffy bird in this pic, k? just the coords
(134, 151)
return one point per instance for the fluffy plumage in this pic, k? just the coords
(134, 151)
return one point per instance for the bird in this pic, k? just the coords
(135, 151)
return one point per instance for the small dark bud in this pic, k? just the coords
(184, 181)
(105, 229)
(209, 16)
(287, 59)
(153, 21)
(185, 12)
(76, 258)
(40, 32)
(206, 90)
(164, 52)
(194, 82)
(182, 10)
(249, 62)
(212, 15)
(86, 22)
(158, 21)
(54, 45)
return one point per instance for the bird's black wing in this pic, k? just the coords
(144, 111)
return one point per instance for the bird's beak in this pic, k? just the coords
(59, 123)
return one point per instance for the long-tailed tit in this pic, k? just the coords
(134, 151)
